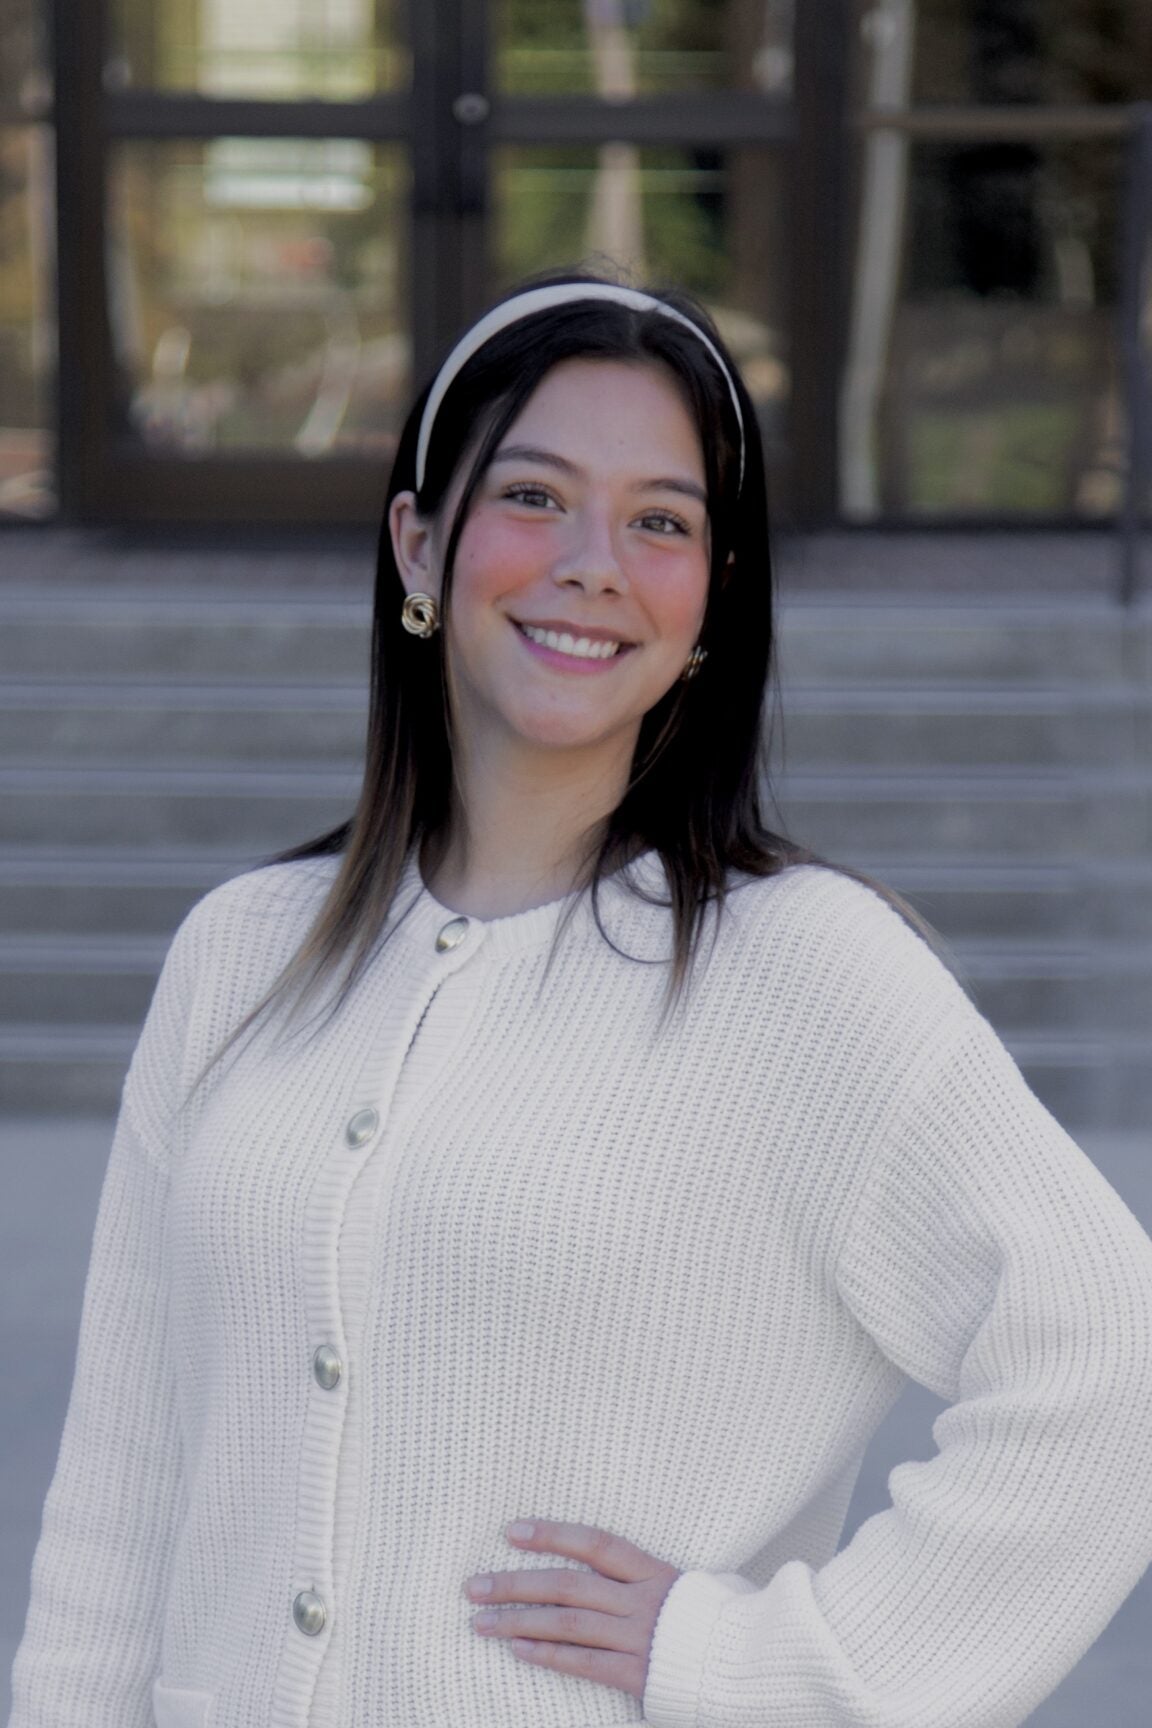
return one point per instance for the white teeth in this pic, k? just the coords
(582, 647)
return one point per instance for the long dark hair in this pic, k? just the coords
(698, 781)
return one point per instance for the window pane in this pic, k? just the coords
(620, 48)
(280, 48)
(27, 326)
(23, 55)
(981, 373)
(258, 295)
(708, 220)
(986, 51)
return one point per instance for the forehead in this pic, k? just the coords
(629, 405)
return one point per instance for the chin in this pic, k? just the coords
(562, 738)
(557, 732)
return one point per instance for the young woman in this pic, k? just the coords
(535, 1194)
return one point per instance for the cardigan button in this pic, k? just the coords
(309, 1613)
(327, 1367)
(451, 935)
(362, 1127)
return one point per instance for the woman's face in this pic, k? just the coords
(591, 525)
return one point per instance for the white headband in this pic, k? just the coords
(540, 300)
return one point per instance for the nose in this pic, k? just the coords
(590, 559)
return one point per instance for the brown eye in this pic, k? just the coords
(666, 522)
(525, 494)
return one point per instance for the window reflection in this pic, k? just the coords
(708, 219)
(981, 372)
(23, 54)
(335, 49)
(257, 295)
(27, 331)
(987, 382)
(994, 51)
(27, 294)
(615, 48)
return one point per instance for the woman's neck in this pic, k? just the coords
(520, 831)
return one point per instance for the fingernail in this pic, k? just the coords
(481, 1586)
(520, 1530)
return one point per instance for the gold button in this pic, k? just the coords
(327, 1367)
(309, 1613)
(452, 934)
(362, 1127)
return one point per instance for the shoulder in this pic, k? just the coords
(225, 953)
(236, 938)
(842, 939)
(223, 956)
(273, 899)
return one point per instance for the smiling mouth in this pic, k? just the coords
(575, 646)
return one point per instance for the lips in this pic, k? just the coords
(588, 664)
(574, 630)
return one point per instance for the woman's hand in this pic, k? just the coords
(598, 1625)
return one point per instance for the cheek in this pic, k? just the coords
(674, 593)
(495, 558)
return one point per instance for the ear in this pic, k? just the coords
(726, 573)
(412, 546)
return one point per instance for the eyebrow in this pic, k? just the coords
(549, 459)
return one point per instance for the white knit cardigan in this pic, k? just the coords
(664, 1284)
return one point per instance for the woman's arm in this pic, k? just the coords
(991, 1261)
(91, 1645)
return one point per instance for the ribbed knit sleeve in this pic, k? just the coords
(989, 1260)
(91, 1644)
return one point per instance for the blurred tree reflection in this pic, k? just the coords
(986, 379)
(326, 48)
(26, 330)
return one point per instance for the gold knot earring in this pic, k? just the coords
(694, 662)
(420, 615)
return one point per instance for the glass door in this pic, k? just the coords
(273, 218)
(236, 256)
(981, 372)
(654, 133)
(258, 285)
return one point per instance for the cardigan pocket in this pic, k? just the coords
(176, 1707)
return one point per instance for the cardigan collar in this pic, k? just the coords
(425, 918)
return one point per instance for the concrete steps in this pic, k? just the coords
(259, 810)
(125, 722)
(1096, 725)
(100, 889)
(1014, 812)
(1033, 643)
(990, 759)
(986, 897)
(275, 638)
(75, 634)
(1099, 725)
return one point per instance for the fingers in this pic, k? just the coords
(564, 1625)
(595, 1621)
(613, 1556)
(555, 1584)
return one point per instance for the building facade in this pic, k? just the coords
(233, 239)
